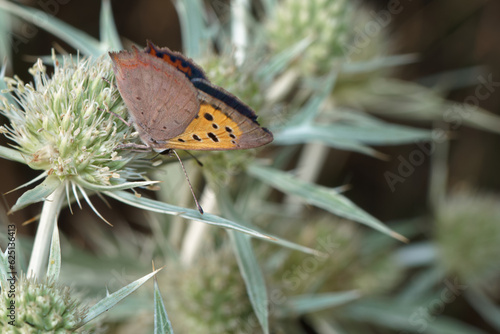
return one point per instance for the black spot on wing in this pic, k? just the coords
(213, 137)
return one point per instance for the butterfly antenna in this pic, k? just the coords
(167, 151)
(189, 182)
(195, 158)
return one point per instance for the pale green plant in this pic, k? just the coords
(467, 236)
(304, 94)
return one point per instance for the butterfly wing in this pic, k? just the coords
(174, 106)
(161, 100)
(222, 123)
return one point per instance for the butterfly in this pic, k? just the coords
(173, 105)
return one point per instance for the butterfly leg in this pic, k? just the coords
(109, 82)
(111, 112)
(135, 147)
(117, 116)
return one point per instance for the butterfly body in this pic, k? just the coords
(173, 105)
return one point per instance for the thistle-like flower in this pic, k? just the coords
(39, 307)
(468, 236)
(324, 22)
(345, 268)
(68, 125)
(210, 296)
(338, 32)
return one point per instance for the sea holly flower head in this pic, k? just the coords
(469, 251)
(39, 307)
(69, 125)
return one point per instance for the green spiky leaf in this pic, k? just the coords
(111, 300)
(74, 37)
(157, 206)
(303, 304)
(161, 322)
(37, 194)
(325, 198)
(253, 277)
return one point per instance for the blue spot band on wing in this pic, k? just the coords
(224, 96)
(178, 60)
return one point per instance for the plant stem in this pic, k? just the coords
(50, 213)
(239, 35)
